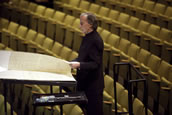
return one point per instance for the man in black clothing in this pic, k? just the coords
(89, 65)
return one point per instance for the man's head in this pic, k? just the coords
(88, 22)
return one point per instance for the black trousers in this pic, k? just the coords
(95, 103)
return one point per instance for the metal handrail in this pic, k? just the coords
(130, 81)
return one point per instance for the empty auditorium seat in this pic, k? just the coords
(6, 33)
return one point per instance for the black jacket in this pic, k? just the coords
(90, 74)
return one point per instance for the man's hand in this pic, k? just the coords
(74, 65)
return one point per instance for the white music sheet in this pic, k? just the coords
(4, 58)
(3, 69)
(32, 66)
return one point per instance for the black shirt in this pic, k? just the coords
(90, 74)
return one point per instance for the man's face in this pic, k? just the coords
(84, 25)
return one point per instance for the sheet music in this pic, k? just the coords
(37, 62)
(3, 69)
(4, 58)
(32, 66)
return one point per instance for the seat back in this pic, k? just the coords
(68, 40)
(49, 12)
(12, 27)
(103, 11)
(57, 48)
(143, 56)
(73, 55)
(168, 11)
(165, 34)
(48, 43)
(124, 45)
(109, 85)
(76, 111)
(137, 3)
(31, 35)
(72, 109)
(3, 23)
(138, 107)
(59, 16)
(32, 7)
(99, 30)
(113, 40)
(74, 3)
(39, 39)
(123, 100)
(133, 50)
(76, 23)
(65, 53)
(24, 4)
(133, 22)
(40, 9)
(159, 8)
(123, 18)
(94, 8)
(167, 81)
(22, 31)
(153, 63)
(105, 34)
(143, 26)
(148, 5)
(69, 20)
(84, 5)
(153, 30)
(113, 14)
(164, 69)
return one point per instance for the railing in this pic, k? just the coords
(130, 82)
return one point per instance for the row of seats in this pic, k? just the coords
(18, 33)
(23, 39)
(151, 11)
(122, 98)
(149, 36)
(103, 37)
(22, 30)
(2, 107)
(54, 27)
(25, 93)
(159, 15)
(153, 30)
(157, 71)
(152, 40)
(21, 35)
(154, 45)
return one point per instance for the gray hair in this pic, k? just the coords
(91, 18)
